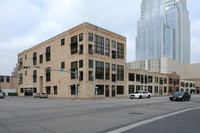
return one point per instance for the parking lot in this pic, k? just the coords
(29, 115)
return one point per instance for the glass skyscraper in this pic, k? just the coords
(163, 29)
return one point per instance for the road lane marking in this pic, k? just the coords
(123, 129)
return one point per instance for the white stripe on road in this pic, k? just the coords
(123, 129)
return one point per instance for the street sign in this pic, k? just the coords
(61, 70)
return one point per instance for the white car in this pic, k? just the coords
(141, 94)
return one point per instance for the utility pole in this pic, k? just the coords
(94, 78)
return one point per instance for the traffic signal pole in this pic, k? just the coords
(61, 70)
(76, 82)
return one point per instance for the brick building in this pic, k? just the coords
(76, 48)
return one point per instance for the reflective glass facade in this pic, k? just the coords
(163, 29)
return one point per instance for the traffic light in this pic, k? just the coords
(26, 67)
(48, 69)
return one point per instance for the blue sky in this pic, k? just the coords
(25, 23)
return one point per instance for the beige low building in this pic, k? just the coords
(8, 84)
(188, 86)
(190, 72)
(155, 83)
(76, 48)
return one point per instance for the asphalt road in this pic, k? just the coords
(29, 115)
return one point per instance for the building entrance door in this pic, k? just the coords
(41, 84)
(28, 92)
(113, 91)
(107, 91)
(161, 92)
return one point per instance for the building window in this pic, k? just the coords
(156, 79)
(21, 90)
(34, 90)
(62, 41)
(100, 89)
(120, 89)
(120, 51)
(99, 70)
(107, 47)
(113, 77)
(182, 84)
(113, 67)
(7, 79)
(74, 66)
(177, 82)
(81, 37)
(74, 45)
(20, 62)
(156, 89)
(137, 88)
(150, 79)
(55, 90)
(131, 77)
(35, 76)
(170, 89)
(90, 37)
(150, 89)
(131, 89)
(35, 58)
(137, 77)
(99, 45)
(107, 71)
(91, 75)
(170, 81)
(25, 57)
(48, 90)
(113, 44)
(90, 49)
(2, 79)
(81, 49)
(48, 53)
(81, 76)
(41, 59)
(21, 78)
(113, 54)
(142, 79)
(120, 73)
(48, 75)
(25, 73)
(161, 81)
(62, 65)
(165, 89)
(81, 64)
(90, 63)
(146, 79)
(165, 80)
(187, 84)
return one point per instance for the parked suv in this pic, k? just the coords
(1, 95)
(40, 95)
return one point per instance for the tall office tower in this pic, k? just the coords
(163, 29)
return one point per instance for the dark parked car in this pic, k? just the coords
(180, 96)
(40, 95)
(1, 95)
